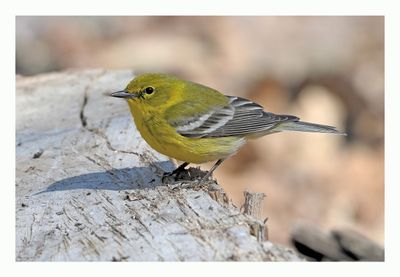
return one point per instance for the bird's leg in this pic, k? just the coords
(209, 173)
(177, 170)
(181, 168)
(200, 181)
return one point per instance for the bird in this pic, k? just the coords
(194, 123)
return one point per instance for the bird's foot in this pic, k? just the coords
(175, 175)
(193, 185)
(192, 178)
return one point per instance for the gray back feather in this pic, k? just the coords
(240, 118)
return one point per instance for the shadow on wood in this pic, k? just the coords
(116, 179)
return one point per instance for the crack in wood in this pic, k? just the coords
(116, 231)
(82, 116)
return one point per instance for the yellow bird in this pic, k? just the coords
(195, 124)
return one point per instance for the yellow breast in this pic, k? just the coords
(163, 138)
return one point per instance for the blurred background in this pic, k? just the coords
(328, 70)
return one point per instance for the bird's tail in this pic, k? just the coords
(301, 126)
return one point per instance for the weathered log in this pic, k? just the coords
(89, 188)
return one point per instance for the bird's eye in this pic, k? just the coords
(149, 90)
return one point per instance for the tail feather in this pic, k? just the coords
(301, 126)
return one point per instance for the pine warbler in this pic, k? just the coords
(196, 124)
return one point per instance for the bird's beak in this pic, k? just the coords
(123, 94)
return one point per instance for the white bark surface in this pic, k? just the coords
(88, 187)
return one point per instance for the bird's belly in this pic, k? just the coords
(200, 150)
(167, 141)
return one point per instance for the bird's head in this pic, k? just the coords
(150, 89)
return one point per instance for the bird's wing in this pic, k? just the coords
(240, 117)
